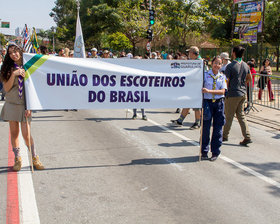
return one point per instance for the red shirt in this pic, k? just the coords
(253, 71)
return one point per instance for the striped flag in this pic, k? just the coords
(34, 42)
(26, 40)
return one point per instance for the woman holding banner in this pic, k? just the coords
(12, 74)
(213, 109)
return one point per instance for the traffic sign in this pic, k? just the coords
(148, 46)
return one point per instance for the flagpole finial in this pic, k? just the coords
(78, 5)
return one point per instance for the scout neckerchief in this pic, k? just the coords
(20, 81)
(238, 60)
(215, 77)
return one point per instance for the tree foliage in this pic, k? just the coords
(176, 20)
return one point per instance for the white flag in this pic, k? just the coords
(79, 46)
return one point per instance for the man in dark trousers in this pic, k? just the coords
(238, 75)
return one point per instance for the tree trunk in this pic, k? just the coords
(133, 48)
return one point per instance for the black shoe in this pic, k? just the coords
(144, 118)
(213, 158)
(204, 157)
(195, 126)
(245, 142)
(225, 139)
(134, 117)
(176, 122)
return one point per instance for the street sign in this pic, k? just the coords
(5, 24)
(148, 46)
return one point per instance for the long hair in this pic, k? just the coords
(267, 59)
(8, 63)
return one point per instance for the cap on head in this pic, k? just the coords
(194, 50)
(94, 49)
(225, 55)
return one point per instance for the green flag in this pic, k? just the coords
(34, 40)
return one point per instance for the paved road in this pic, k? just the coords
(104, 168)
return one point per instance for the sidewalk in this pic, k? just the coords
(266, 117)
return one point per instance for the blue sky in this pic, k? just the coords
(34, 13)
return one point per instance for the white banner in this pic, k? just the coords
(53, 82)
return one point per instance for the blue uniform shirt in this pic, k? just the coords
(208, 83)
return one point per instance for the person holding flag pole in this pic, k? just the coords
(213, 110)
(14, 109)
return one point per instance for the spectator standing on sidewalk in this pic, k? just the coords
(238, 75)
(213, 109)
(12, 74)
(266, 70)
(250, 85)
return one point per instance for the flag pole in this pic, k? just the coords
(201, 130)
(201, 126)
(29, 142)
(28, 125)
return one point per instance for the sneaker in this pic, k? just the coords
(245, 142)
(17, 165)
(134, 117)
(204, 157)
(37, 163)
(176, 122)
(144, 118)
(195, 126)
(213, 158)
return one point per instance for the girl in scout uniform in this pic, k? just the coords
(213, 109)
(12, 75)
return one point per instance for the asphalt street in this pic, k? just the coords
(103, 167)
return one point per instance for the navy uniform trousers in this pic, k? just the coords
(213, 111)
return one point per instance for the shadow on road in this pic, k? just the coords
(266, 169)
(162, 161)
(145, 161)
(183, 143)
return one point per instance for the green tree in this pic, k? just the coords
(220, 26)
(134, 21)
(65, 14)
(3, 41)
(184, 17)
(272, 26)
(118, 41)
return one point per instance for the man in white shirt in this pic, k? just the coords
(225, 60)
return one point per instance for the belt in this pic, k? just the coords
(215, 100)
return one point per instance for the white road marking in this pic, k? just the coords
(252, 172)
(226, 159)
(27, 201)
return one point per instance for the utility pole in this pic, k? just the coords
(262, 36)
(150, 31)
